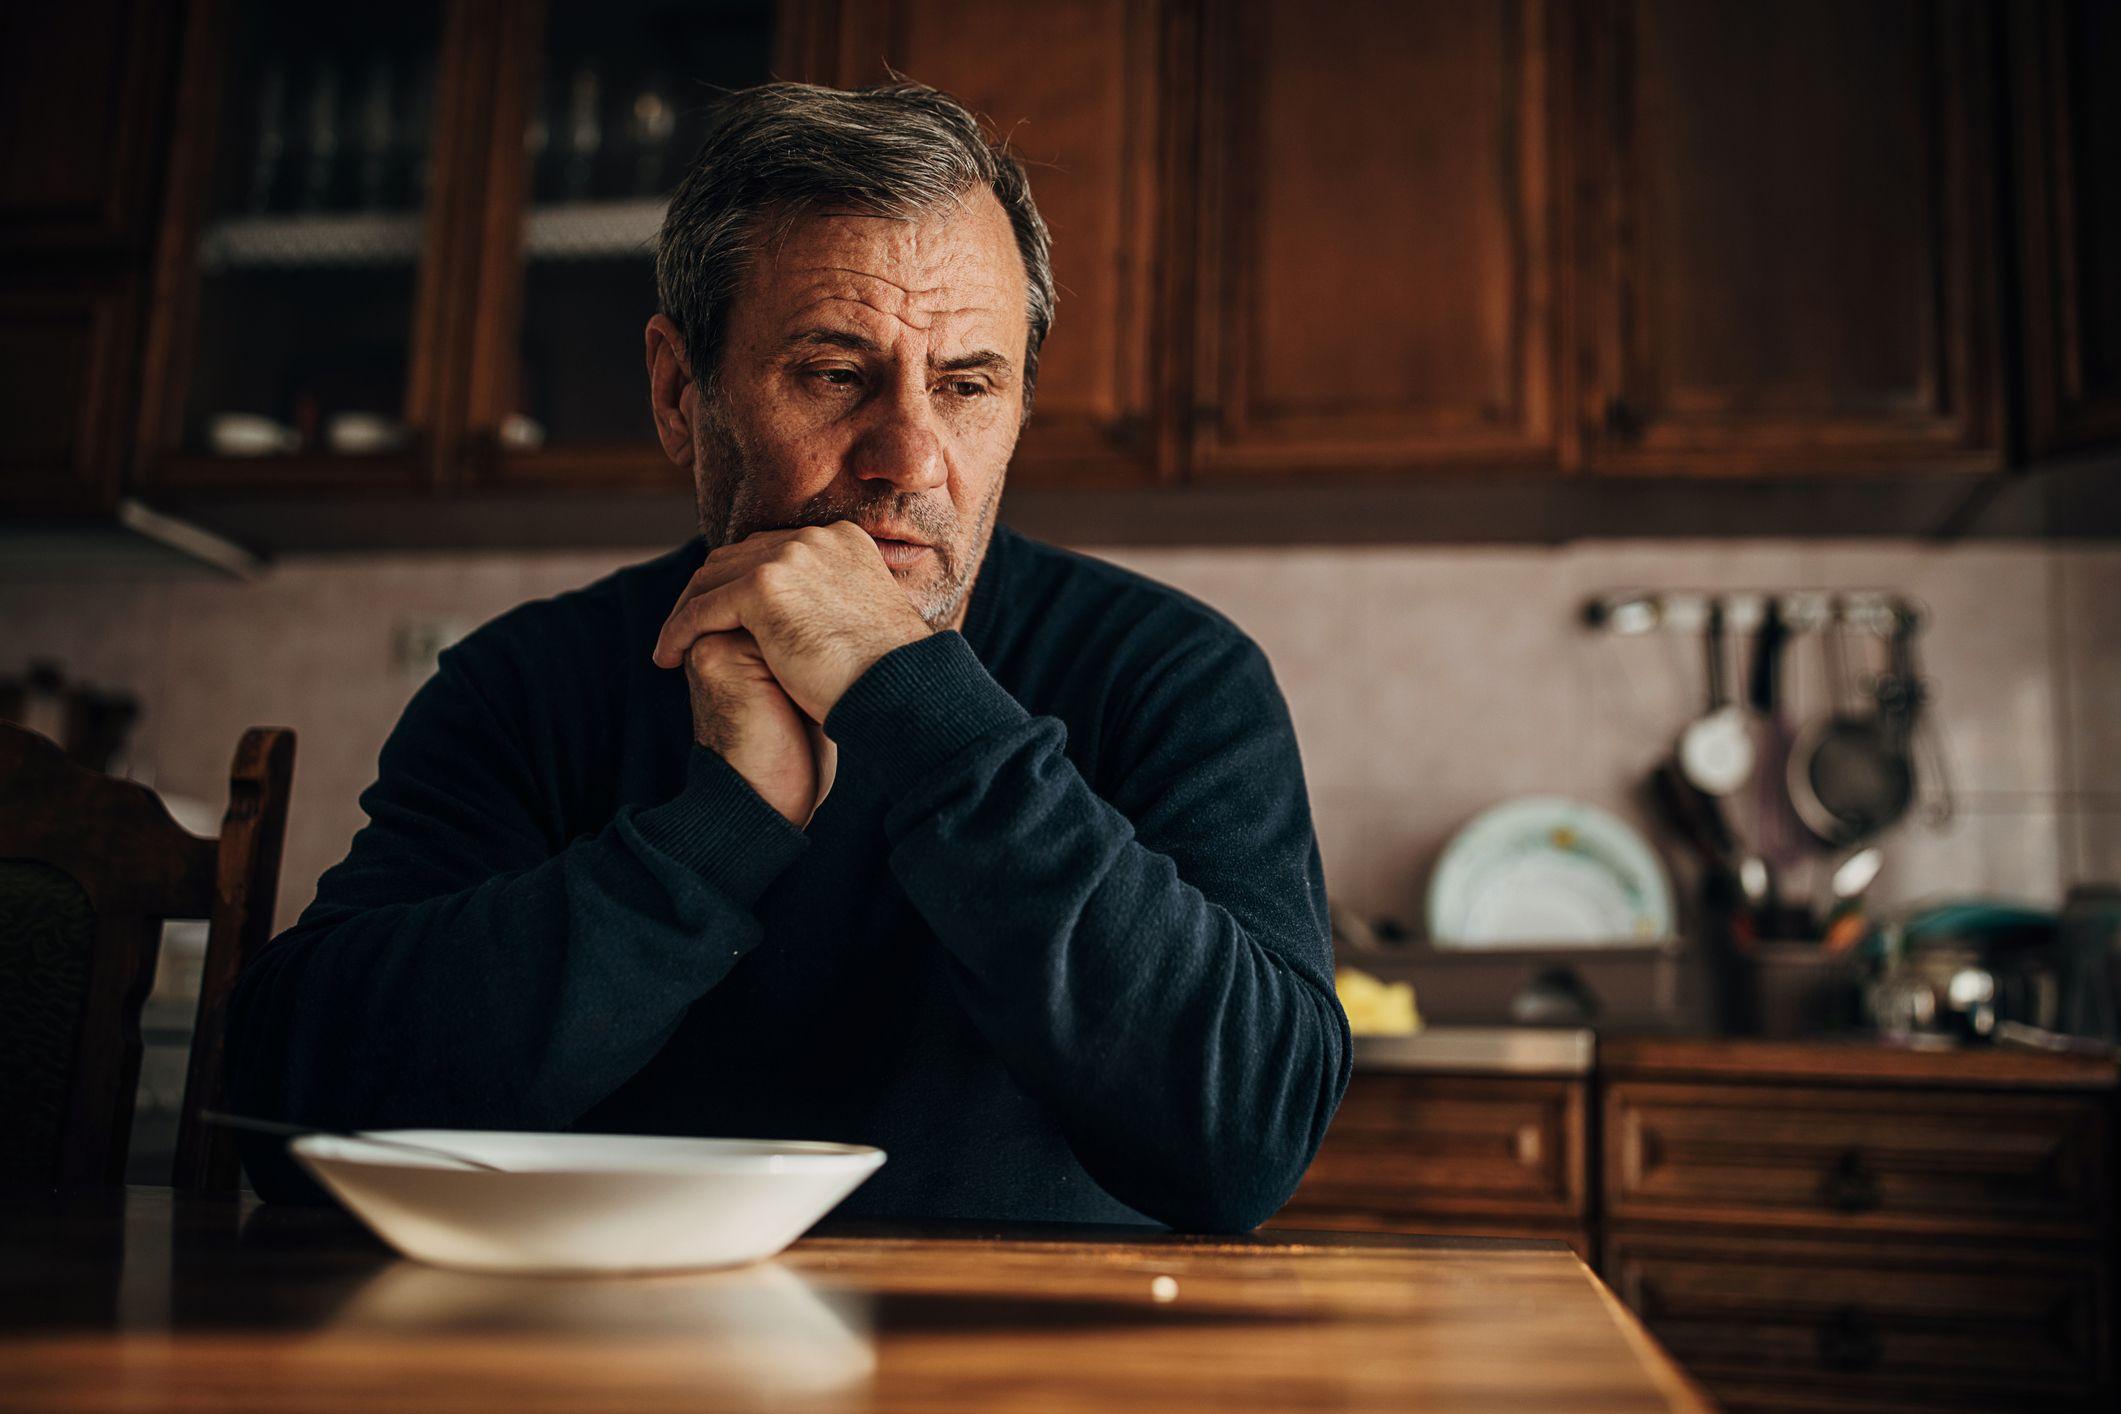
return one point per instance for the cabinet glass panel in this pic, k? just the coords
(312, 229)
(621, 104)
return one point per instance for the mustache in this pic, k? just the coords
(935, 521)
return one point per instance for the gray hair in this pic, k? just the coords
(783, 150)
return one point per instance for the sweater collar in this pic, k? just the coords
(988, 589)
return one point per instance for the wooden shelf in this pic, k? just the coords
(588, 230)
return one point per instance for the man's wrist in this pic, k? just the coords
(917, 706)
(723, 829)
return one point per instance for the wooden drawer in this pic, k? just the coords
(1404, 1146)
(1856, 1160)
(1774, 1321)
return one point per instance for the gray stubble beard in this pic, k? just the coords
(723, 468)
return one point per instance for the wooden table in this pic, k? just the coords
(141, 1300)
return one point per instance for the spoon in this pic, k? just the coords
(296, 1131)
(1851, 878)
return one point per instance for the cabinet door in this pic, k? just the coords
(2067, 54)
(1794, 1323)
(597, 110)
(1795, 266)
(1854, 1160)
(81, 88)
(63, 363)
(1417, 1145)
(308, 304)
(1074, 86)
(1378, 263)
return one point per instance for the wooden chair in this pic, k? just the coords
(90, 866)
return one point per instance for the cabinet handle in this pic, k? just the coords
(1848, 1340)
(1528, 1145)
(1850, 1186)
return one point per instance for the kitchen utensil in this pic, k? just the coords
(1849, 773)
(1735, 885)
(1983, 963)
(1776, 833)
(297, 1131)
(1798, 989)
(584, 1202)
(1716, 749)
(1544, 871)
(1843, 925)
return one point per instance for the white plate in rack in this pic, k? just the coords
(1549, 872)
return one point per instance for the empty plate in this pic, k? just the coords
(586, 1202)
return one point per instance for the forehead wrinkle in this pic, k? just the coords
(909, 314)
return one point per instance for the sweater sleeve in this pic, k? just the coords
(463, 968)
(1158, 975)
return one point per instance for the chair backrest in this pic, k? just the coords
(90, 866)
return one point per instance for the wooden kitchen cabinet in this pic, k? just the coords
(1085, 91)
(1381, 263)
(82, 89)
(2065, 58)
(1781, 1323)
(65, 356)
(1443, 253)
(595, 109)
(305, 334)
(1495, 1155)
(1791, 252)
(1866, 1161)
(1851, 1225)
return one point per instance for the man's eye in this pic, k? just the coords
(836, 377)
(968, 388)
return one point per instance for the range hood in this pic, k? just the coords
(130, 537)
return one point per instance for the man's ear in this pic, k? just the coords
(669, 380)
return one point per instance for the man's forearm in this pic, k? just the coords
(518, 1001)
(1193, 1059)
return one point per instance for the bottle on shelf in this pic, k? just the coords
(322, 166)
(376, 134)
(272, 138)
(584, 134)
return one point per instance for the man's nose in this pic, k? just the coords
(900, 444)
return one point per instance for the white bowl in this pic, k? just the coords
(586, 1202)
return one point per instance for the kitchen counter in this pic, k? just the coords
(143, 1299)
(1481, 1050)
(1861, 1060)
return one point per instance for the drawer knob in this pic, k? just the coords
(1528, 1145)
(1848, 1340)
(1850, 1186)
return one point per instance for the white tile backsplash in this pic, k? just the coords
(1425, 683)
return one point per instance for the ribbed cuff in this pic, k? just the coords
(722, 828)
(918, 706)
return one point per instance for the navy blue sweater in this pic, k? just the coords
(1056, 941)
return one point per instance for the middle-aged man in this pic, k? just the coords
(858, 817)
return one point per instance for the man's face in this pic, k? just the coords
(872, 371)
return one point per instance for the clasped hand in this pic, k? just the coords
(771, 631)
